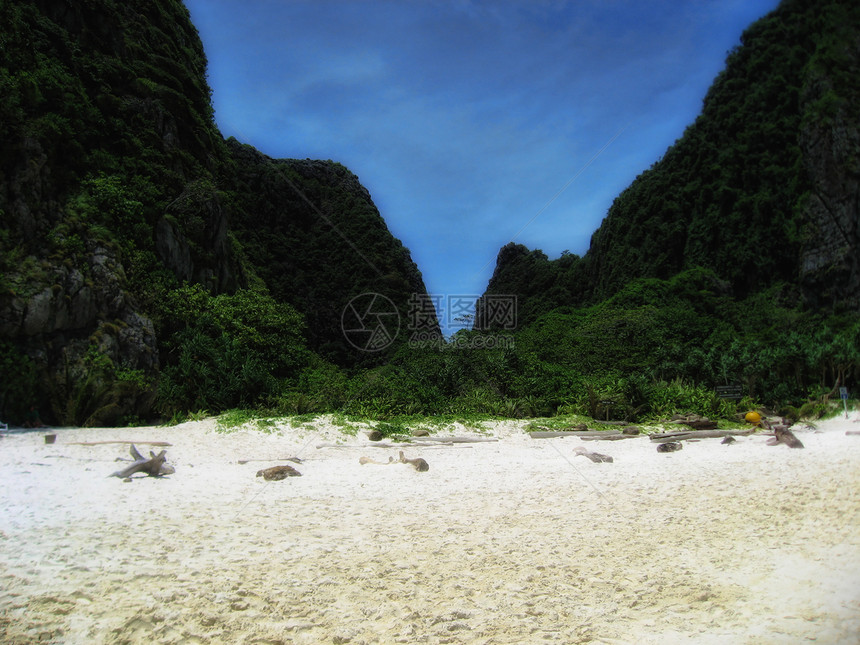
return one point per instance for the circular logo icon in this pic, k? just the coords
(370, 322)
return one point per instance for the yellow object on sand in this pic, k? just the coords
(753, 417)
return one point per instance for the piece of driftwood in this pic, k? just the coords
(596, 457)
(701, 424)
(158, 444)
(422, 435)
(295, 460)
(781, 434)
(427, 442)
(383, 445)
(418, 463)
(277, 473)
(155, 466)
(852, 432)
(453, 439)
(367, 460)
(552, 434)
(679, 435)
(694, 421)
(610, 436)
(582, 434)
(669, 446)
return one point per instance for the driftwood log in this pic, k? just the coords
(376, 436)
(367, 460)
(700, 424)
(453, 439)
(596, 457)
(781, 434)
(680, 435)
(427, 442)
(694, 421)
(418, 463)
(155, 466)
(159, 444)
(585, 435)
(383, 445)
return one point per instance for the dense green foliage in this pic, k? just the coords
(656, 347)
(226, 350)
(136, 241)
(709, 268)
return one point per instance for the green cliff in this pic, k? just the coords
(146, 264)
(762, 189)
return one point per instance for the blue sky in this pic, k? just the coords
(472, 123)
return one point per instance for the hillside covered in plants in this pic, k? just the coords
(735, 258)
(148, 266)
(762, 189)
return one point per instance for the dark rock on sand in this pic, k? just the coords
(277, 473)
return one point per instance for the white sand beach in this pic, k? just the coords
(512, 541)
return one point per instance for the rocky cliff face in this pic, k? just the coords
(830, 140)
(318, 241)
(106, 126)
(117, 188)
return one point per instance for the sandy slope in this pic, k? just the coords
(514, 541)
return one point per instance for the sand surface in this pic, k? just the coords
(511, 541)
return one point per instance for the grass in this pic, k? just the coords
(405, 425)
(561, 422)
(235, 419)
(836, 408)
(184, 417)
